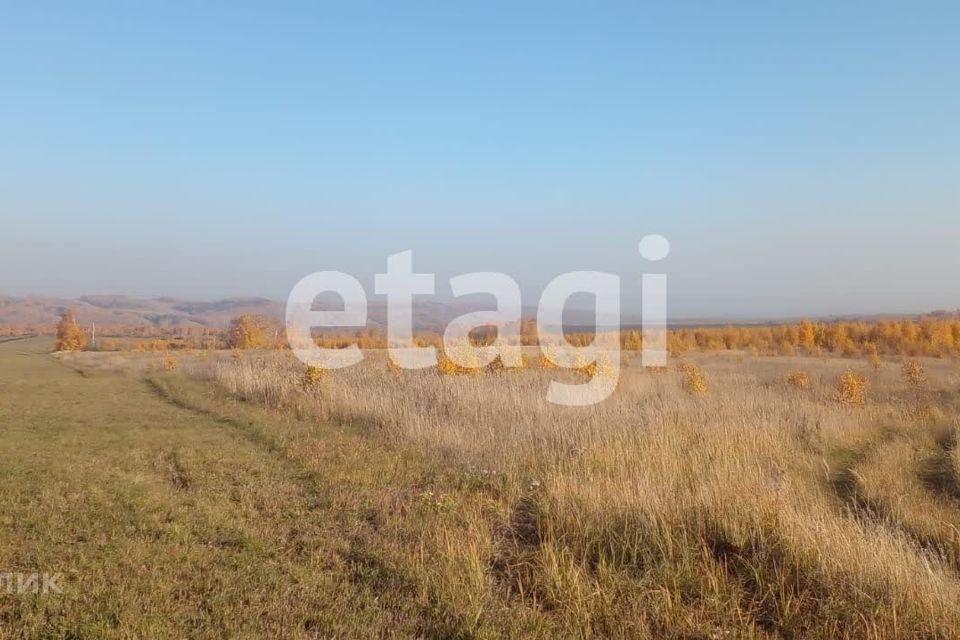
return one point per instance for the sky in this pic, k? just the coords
(802, 158)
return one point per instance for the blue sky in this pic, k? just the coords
(802, 159)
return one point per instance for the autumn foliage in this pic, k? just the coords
(930, 336)
(694, 379)
(313, 376)
(927, 337)
(913, 373)
(852, 389)
(250, 332)
(70, 337)
(933, 337)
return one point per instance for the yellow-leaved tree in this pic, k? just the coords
(248, 332)
(70, 337)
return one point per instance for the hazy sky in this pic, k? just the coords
(802, 158)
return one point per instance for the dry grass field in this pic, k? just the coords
(728, 496)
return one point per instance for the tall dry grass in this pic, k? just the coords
(750, 508)
(755, 508)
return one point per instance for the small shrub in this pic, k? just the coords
(873, 357)
(313, 376)
(546, 363)
(446, 366)
(599, 367)
(170, 363)
(604, 366)
(913, 373)
(497, 365)
(799, 380)
(695, 380)
(588, 369)
(852, 389)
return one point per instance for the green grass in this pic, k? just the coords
(173, 511)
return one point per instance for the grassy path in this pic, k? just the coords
(172, 512)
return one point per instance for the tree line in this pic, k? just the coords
(928, 336)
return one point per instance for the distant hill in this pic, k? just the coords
(127, 311)
(174, 313)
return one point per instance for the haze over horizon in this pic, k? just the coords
(439, 308)
(802, 161)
